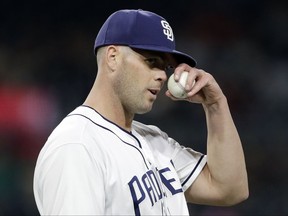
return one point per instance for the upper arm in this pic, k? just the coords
(205, 190)
(68, 183)
(199, 192)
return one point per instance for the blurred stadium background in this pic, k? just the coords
(47, 67)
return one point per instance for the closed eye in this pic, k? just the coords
(155, 62)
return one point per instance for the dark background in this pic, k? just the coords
(47, 68)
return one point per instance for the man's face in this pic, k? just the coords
(141, 76)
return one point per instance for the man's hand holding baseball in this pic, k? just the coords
(205, 90)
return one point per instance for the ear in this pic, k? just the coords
(112, 55)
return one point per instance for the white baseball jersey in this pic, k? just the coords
(90, 166)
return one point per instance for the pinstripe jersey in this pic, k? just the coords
(90, 166)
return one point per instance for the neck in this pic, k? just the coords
(108, 105)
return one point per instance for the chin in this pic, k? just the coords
(143, 111)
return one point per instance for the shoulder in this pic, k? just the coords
(157, 139)
(73, 133)
(145, 129)
(69, 130)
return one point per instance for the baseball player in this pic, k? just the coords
(99, 161)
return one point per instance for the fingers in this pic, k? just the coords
(195, 78)
(178, 70)
(201, 87)
(201, 79)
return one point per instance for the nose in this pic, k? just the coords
(161, 75)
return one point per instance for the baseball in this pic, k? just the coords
(177, 89)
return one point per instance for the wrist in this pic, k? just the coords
(219, 104)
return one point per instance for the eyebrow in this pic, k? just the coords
(148, 52)
(154, 54)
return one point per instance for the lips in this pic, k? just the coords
(154, 92)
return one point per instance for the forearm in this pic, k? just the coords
(225, 157)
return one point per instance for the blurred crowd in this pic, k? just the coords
(47, 68)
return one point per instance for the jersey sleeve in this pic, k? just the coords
(70, 182)
(187, 162)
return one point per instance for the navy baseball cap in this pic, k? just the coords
(140, 29)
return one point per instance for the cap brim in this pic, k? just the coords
(179, 56)
(184, 58)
